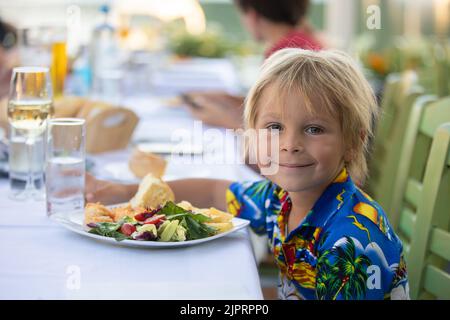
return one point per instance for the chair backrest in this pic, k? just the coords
(412, 158)
(429, 255)
(427, 115)
(400, 94)
(440, 54)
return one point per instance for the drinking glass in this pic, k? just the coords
(59, 66)
(45, 46)
(29, 107)
(65, 165)
(18, 163)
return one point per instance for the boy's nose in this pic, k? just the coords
(291, 147)
(291, 143)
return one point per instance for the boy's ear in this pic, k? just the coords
(348, 156)
(362, 136)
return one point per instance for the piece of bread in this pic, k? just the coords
(96, 212)
(142, 163)
(152, 192)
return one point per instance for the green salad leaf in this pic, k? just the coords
(197, 230)
(194, 223)
(170, 209)
(127, 219)
(109, 229)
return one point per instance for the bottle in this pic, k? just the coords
(105, 60)
(82, 74)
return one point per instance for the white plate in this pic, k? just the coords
(74, 222)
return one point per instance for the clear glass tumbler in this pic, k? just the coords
(65, 165)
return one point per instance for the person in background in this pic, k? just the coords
(8, 60)
(8, 40)
(278, 24)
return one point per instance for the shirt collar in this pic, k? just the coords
(331, 200)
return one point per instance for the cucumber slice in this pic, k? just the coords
(169, 230)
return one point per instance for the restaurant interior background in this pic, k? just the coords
(402, 46)
(387, 35)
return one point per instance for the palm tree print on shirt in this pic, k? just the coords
(342, 272)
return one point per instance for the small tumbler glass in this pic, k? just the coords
(65, 166)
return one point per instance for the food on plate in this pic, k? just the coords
(152, 215)
(121, 212)
(152, 192)
(142, 163)
(218, 216)
(169, 222)
(95, 212)
(220, 226)
(218, 219)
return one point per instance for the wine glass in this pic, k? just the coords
(29, 106)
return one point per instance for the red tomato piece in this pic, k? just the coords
(155, 219)
(127, 229)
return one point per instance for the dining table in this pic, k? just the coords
(43, 260)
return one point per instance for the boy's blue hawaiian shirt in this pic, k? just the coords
(344, 248)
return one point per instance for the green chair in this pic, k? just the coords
(429, 253)
(426, 116)
(399, 97)
(409, 155)
(382, 131)
(440, 54)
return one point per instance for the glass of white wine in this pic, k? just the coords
(30, 105)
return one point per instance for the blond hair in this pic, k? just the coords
(332, 79)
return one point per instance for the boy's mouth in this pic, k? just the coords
(295, 165)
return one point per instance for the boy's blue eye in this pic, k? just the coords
(274, 126)
(314, 130)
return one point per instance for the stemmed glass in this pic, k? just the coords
(29, 106)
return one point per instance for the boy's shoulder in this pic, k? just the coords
(364, 219)
(360, 235)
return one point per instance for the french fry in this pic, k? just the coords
(186, 205)
(95, 212)
(121, 212)
(219, 216)
(220, 226)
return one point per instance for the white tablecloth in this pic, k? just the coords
(41, 260)
(48, 262)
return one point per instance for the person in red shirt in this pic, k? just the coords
(278, 24)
